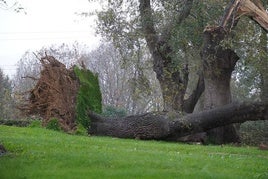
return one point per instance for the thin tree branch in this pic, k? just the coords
(148, 24)
(190, 102)
(232, 8)
(185, 12)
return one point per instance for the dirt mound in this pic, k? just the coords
(54, 95)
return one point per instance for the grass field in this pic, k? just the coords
(41, 153)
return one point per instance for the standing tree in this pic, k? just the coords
(127, 23)
(249, 76)
(7, 105)
(219, 61)
(264, 66)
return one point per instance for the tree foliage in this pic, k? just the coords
(7, 103)
(177, 26)
(125, 84)
(120, 22)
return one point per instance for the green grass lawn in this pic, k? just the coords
(41, 153)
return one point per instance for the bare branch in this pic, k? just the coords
(31, 77)
(232, 7)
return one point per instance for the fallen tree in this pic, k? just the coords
(171, 126)
(60, 94)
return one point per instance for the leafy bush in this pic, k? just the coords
(80, 130)
(88, 97)
(53, 124)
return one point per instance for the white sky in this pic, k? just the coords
(47, 22)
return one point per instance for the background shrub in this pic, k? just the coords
(53, 124)
(80, 130)
(15, 122)
(35, 123)
(254, 132)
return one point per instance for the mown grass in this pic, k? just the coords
(41, 153)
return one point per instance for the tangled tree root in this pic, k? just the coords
(54, 95)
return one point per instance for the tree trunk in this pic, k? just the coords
(218, 64)
(170, 126)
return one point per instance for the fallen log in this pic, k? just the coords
(171, 125)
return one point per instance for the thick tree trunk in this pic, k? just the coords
(218, 64)
(167, 125)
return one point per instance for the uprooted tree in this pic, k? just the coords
(57, 95)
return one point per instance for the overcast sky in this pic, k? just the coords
(46, 22)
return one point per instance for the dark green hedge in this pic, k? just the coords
(88, 97)
(13, 122)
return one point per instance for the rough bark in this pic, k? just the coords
(173, 81)
(170, 125)
(218, 64)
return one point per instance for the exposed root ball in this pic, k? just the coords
(54, 95)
